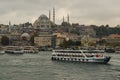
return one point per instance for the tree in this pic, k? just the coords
(102, 30)
(5, 40)
(78, 43)
(32, 39)
(70, 44)
(64, 44)
(101, 42)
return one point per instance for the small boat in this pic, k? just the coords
(2, 51)
(30, 49)
(80, 56)
(14, 50)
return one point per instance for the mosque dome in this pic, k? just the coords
(43, 17)
(42, 22)
(26, 35)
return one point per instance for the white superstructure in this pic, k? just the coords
(14, 50)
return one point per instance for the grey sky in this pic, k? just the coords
(81, 11)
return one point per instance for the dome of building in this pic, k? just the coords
(43, 17)
(26, 35)
(42, 22)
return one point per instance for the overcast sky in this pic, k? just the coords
(87, 12)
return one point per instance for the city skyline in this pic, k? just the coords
(80, 11)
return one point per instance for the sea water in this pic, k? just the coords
(41, 67)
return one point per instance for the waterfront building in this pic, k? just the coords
(18, 39)
(43, 41)
(86, 41)
(114, 36)
(60, 37)
(87, 30)
(113, 40)
(14, 38)
(74, 37)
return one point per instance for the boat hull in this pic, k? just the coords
(104, 60)
(30, 51)
(14, 52)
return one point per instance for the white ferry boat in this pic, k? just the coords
(80, 56)
(30, 49)
(14, 50)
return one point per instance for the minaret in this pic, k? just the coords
(49, 15)
(68, 18)
(63, 19)
(54, 15)
(9, 26)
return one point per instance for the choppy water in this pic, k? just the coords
(40, 67)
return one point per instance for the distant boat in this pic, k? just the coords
(14, 50)
(30, 49)
(109, 50)
(92, 56)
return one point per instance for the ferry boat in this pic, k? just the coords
(30, 49)
(80, 56)
(14, 50)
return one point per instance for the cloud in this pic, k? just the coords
(81, 11)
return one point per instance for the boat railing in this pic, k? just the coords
(76, 53)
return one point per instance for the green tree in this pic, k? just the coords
(32, 39)
(78, 43)
(101, 42)
(70, 43)
(5, 40)
(102, 30)
(64, 44)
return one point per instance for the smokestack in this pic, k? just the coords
(63, 18)
(54, 15)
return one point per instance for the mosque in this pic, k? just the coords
(45, 23)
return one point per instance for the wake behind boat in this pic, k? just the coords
(94, 56)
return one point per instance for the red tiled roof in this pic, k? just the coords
(114, 36)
